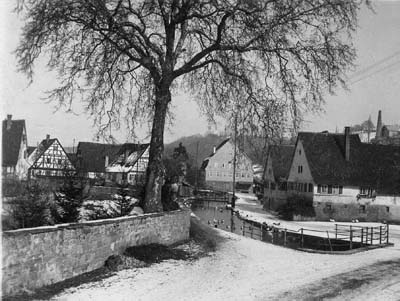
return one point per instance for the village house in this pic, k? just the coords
(217, 169)
(49, 160)
(276, 171)
(14, 149)
(116, 163)
(346, 179)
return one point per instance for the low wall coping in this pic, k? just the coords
(90, 223)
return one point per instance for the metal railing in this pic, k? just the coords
(345, 237)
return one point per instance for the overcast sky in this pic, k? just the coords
(375, 85)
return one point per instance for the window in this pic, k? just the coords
(305, 187)
(243, 175)
(311, 187)
(48, 160)
(273, 186)
(300, 169)
(319, 188)
(324, 189)
(299, 151)
(340, 189)
(329, 189)
(25, 154)
(362, 209)
(59, 161)
(335, 189)
(387, 209)
(266, 185)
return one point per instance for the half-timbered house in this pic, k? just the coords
(49, 160)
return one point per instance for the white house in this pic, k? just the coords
(345, 178)
(218, 168)
(15, 161)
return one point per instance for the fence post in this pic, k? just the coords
(273, 234)
(284, 237)
(372, 235)
(335, 231)
(380, 235)
(387, 233)
(351, 237)
(243, 228)
(251, 232)
(302, 238)
(362, 236)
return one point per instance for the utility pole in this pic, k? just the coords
(197, 169)
(234, 175)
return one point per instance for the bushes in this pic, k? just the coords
(296, 205)
(30, 209)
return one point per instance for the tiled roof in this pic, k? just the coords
(376, 166)
(91, 156)
(11, 142)
(129, 153)
(281, 156)
(206, 160)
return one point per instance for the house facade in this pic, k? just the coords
(345, 178)
(218, 169)
(49, 160)
(15, 161)
(117, 163)
(276, 171)
(130, 164)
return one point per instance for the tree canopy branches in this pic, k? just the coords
(271, 60)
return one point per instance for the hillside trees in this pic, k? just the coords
(269, 60)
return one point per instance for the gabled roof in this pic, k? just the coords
(129, 153)
(281, 156)
(31, 149)
(11, 141)
(206, 160)
(370, 165)
(41, 149)
(92, 156)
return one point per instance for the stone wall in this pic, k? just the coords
(40, 256)
(347, 208)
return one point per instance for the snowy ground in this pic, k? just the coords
(246, 269)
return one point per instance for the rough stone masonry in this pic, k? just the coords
(36, 257)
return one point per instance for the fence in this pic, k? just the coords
(213, 195)
(344, 238)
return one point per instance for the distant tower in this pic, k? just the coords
(379, 125)
(369, 127)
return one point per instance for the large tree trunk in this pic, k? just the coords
(155, 170)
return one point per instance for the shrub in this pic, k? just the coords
(31, 209)
(296, 205)
(67, 201)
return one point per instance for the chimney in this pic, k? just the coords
(379, 125)
(47, 138)
(347, 143)
(105, 161)
(9, 122)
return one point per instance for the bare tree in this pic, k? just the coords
(124, 58)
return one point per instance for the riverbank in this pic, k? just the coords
(239, 269)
